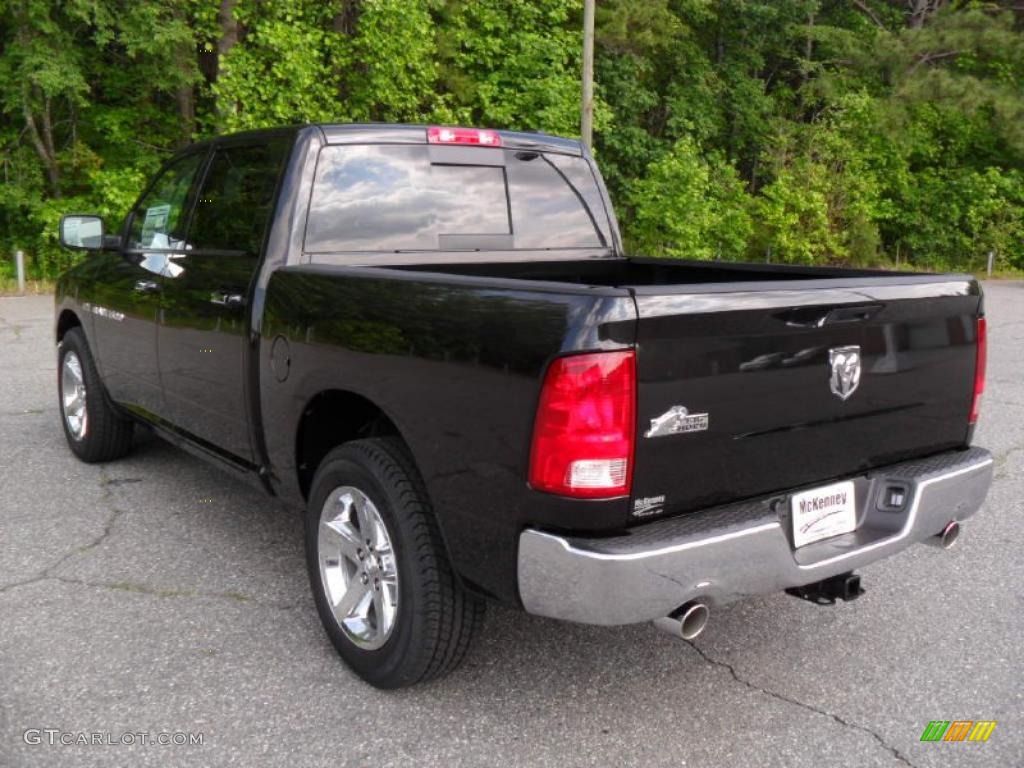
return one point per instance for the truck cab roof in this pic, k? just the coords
(399, 133)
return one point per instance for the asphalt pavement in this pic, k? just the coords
(154, 595)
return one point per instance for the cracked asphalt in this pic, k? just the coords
(156, 595)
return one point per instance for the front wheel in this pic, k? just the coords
(382, 582)
(94, 430)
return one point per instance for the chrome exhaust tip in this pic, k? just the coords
(687, 622)
(946, 538)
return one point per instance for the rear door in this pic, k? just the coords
(125, 293)
(204, 328)
(785, 385)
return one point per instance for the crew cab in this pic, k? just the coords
(431, 339)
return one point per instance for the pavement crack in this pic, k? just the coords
(809, 707)
(115, 481)
(15, 328)
(105, 484)
(130, 587)
(172, 592)
(24, 412)
(23, 583)
(1003, 459)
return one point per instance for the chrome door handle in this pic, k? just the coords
(818, 317)
(227, 299)
(147, 286)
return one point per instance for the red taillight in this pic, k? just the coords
(478, 136)
(583, 435)
(979, 369)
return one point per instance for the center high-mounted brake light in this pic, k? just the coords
(475, 136)
(979, 369)
(583, 436)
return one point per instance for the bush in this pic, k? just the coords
(690, 207)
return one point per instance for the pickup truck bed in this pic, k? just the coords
(640, 272)
(437, 328)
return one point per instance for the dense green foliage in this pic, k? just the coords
(842, 131)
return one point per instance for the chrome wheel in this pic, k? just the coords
(72, 390)
(358, 570)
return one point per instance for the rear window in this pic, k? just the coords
(422, 198)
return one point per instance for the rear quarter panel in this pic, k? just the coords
(456, 364)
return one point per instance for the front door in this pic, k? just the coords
(125, 298)
(203, 335)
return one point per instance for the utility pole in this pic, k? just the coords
(19, 266)
(587, 108)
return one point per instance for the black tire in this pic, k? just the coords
(435, 617)
(107, 435)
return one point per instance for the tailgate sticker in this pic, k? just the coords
(677, 420)
(649, 505)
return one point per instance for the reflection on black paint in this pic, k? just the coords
(765, 384)
(433, 322)
(204, 296)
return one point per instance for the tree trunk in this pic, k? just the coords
(186, 65)
(187, 111)
(922, 10)
(228, 32)
(48, 129)
(918, 10)
(43, 144)
(808, 47)
(228, 39)
(344, 21)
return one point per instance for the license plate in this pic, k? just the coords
(823, 512)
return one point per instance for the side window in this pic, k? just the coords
(159, 219)
(234, 205)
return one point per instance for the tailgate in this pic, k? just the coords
(775, 369)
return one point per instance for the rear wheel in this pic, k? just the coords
(382, 582)
(94, 430)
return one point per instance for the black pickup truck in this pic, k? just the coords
(431, 338)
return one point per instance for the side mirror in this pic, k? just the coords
(84, 233)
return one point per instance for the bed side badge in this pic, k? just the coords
(677, 420)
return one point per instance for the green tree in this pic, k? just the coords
(687, 206)
(811, 131)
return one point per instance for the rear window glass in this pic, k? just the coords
(402, 198)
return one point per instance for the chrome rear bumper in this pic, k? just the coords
(723, 554)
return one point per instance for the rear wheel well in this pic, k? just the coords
(66, 322)
(330, 419)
